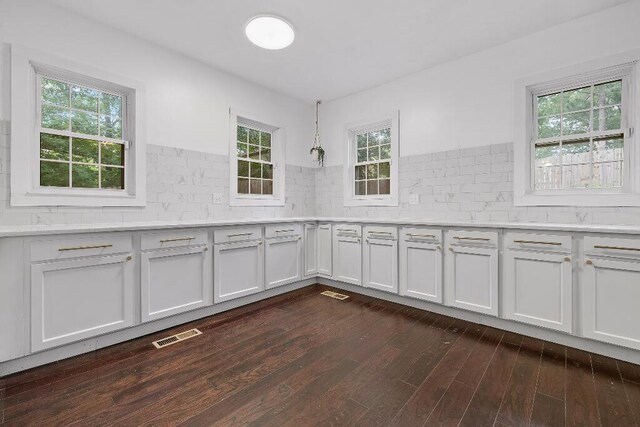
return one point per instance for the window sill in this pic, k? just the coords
(387, 201)
(573, 200)
(250, 201)
(34, 199)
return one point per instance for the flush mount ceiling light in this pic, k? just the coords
(269, 32)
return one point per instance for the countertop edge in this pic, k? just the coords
(42, 230)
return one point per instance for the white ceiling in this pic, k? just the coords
(341, 46)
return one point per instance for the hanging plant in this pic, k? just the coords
(317, 148)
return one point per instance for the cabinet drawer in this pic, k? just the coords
(76, 246)
(378, 232)
(282, 230)
(173, 239)
(538, 242)
(430, 235)
(618, 247)
(473, 238)
(237, 234)
(348, 230)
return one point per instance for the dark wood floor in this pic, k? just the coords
(304, 359)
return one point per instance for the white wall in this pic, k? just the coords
(188, 101)
(469, 102)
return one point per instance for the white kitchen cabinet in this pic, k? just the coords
(380, 258)
(325, 250)
(610, 291)
(471, 279)
(421, 264)
(538, 280)
(310, 249)
(74, 299)
(283, 257)
(347, 253)
(175, 280)
(238, 269)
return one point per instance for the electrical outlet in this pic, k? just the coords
(217, 199)
(414, 199)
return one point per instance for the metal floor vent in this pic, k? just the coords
(334, 295)
(176, 338)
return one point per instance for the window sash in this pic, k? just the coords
(366, 130)
(590, 136)
(256, 126)
(79, 135)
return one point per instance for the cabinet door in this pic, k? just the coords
(472, 279)
(381, 265)
(238, 270)
(77, 299)
(310, 249)
(421, 270)
(175, 281)
(347, 259)
(283, 258)
(538, 289)
(610, 294)
(325, 250)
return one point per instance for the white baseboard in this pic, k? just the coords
(585, 344)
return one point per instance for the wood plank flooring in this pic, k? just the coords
(304, 359)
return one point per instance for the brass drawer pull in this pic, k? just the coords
(588, 262)
(483, 239)
(177, 239)
(617, 248)
(432, 236)
(285, 231)
(536, 242)
(239, 235)
(79, 248)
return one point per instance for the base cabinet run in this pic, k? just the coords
(472, 271)
(80, 298)
(310, 249)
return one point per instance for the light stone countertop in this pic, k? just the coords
(41, 230)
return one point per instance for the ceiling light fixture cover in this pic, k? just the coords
(269, 32)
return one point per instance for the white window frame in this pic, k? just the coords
(26, 65)
(527, 90)
(278, 159)
(350, 160)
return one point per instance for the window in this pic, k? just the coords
(81, 136)
(77, 139)
(256, 152)
(255, 169)
(371, 178)
(576, 144)
(580, 138)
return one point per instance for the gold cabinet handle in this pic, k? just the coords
(177, 239)
(451, 248)
(432, 236)
(285, 231)
(538, 242)
(438, 247)
(79, 248)
(567, 258)
(616, 248)
(129, 258)
(205, 249)
(483, 239)
(588, 262)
